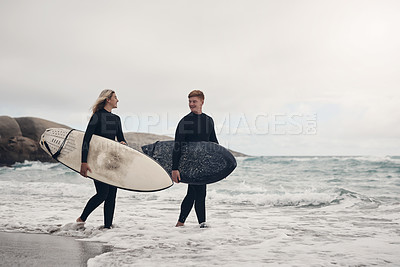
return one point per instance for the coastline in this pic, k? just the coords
(27, 249)
(19, 139)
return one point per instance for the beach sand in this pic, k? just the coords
(21, 249)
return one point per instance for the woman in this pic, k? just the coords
(108, 125)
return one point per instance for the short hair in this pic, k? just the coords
(197, 93)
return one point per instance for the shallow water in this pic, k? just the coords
(20, 249)
(292, 211)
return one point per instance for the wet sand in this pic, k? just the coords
(21, 249)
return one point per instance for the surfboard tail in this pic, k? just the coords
(149, 149)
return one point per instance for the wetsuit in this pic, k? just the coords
(193, 128)
(108, 125)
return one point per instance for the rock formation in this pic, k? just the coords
(19, 139)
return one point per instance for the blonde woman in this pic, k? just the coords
(108, 125)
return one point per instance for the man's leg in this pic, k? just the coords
(200, 202)
(187, 205)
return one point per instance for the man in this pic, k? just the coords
(194, 127)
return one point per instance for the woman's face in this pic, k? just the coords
(113, 100)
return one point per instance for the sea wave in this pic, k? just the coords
(68, 229)
(300, 198)
(292, 159)
(34, 165)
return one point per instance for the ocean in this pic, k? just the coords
(286, 211)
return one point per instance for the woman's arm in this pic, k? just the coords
(94, 121)
(120, 134)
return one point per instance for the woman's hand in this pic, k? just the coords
(84, 168)
(176, 176)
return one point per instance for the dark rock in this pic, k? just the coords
(19, 139)
(9, 128)
(33, 128)
(19, 149)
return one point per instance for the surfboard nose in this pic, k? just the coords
(41, 141)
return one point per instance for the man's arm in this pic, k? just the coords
(213, 136)
(177, 151)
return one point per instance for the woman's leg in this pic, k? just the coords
(109, 206)
(101, 195)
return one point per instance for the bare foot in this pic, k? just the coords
(79, 220)
(179, 224)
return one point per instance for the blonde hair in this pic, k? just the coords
(102, 99)
(197, 93)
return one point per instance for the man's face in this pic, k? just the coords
(196, 104)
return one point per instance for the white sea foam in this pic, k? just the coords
(270, 211)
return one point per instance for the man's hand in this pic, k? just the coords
(84, 168)
(176, 177)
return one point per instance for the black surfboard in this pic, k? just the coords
(200, 163)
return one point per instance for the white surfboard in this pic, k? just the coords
(110, 161)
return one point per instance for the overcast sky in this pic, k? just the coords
(280, 77)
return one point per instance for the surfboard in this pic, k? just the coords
(200, 163)
(111, 162)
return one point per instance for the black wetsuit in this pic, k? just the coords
(108, 125)
(193, 128)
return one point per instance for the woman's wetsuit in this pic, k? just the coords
(193, 128)
(108, 125)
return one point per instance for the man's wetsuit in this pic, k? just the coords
(193, 128)
(108, 125)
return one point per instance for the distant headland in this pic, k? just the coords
(19, 139)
